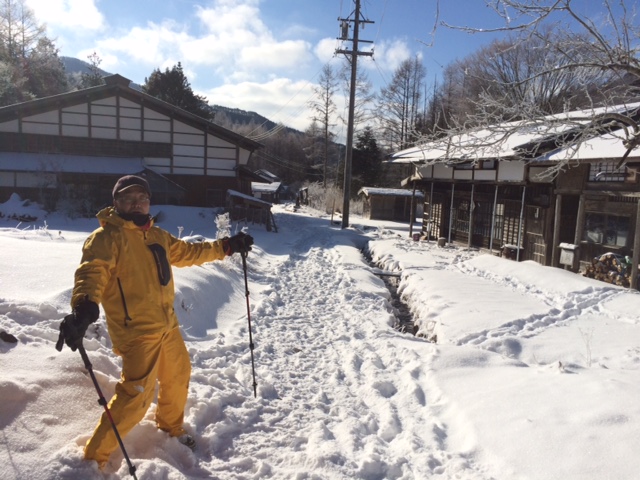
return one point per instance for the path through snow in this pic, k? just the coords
(526, 357)
(329, 378)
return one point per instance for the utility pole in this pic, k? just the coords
(356, 19)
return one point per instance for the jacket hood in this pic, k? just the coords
(110, 216)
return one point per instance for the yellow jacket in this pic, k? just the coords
(128, 271)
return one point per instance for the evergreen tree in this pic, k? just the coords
(10, 86)
(44, 72)
(366, 161)
(93, 77)
(173, 87)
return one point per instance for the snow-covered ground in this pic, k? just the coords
(535, 373)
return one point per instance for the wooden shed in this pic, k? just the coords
(245, 208)
(390, 203)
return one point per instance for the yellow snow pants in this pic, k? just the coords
(145, 360)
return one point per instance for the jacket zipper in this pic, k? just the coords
(127, 318)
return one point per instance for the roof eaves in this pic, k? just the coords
(114, 84)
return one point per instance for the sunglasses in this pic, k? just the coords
(133, 199)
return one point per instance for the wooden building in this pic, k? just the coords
(390, 203)
(502, 189)
(269, 192)
(82, 141)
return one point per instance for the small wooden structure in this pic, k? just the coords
(244, 208)
(390, 203)
(269, 192)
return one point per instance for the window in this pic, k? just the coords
(606, 172)
(606, 229)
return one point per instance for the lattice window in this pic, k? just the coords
(607, 172)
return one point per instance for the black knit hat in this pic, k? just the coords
(129, 181)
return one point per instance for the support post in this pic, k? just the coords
(493, 219)
(555, 253)
(471, 210)
(453, 189)
(412, 213)
(430, 224)
(579, 226)
(636, 251)
(520, 224)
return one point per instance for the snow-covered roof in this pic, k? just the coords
(605, 146)
(44, 162)
(265, 187)
(497, 142)
(390, 192)
(267, 175)
(500, 141)
(234, 193)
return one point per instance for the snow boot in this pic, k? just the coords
(188, 441)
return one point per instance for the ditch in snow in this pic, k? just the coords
(404, 318)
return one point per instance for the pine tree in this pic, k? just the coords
(367, 161)
(173, 87)
(44, 71)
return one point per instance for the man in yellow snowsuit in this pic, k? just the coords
(126, 267)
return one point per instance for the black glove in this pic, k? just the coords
(74, 326)
(240, 243)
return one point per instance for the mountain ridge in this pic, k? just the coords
(236, 116)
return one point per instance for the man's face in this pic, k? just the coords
(132, 200)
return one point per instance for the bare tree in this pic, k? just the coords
(30, 64)
(558, 58)
(364, 97)
(324, 108)
(19, 30)
(398, 104)
(513, 80)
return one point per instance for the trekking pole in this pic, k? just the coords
(251, 346)
(102, 401)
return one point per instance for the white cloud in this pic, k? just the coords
(325, 49)
(153, 45)
(64, 14)
(389, 55)
(230, 17)
(280, 99)
(231, 38)
(287, 54)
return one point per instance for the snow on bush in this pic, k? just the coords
(21, 210)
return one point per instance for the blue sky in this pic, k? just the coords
(260, 55)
